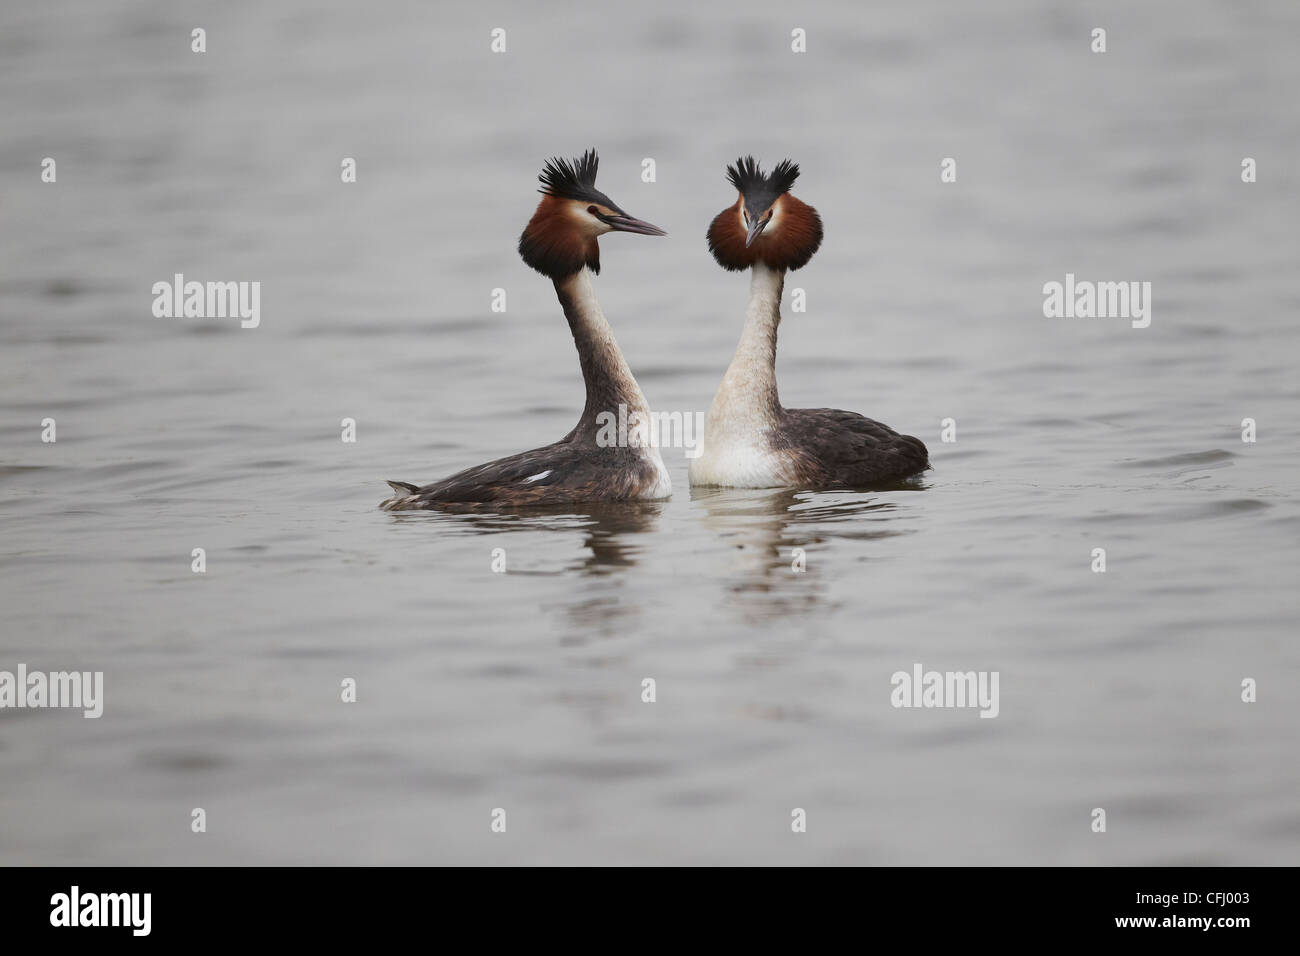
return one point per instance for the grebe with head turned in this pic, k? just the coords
(750, 441)
(560, 241)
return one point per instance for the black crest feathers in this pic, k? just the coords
(571, 179)
(784, 175)
(748, 178)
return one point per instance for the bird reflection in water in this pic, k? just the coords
(609, 528)
(613, 535)
(761, 530)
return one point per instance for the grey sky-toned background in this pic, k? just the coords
(523, 690)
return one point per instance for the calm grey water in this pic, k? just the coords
(523, 690)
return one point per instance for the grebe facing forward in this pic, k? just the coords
(750, 441)
(560, 242)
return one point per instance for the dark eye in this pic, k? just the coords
(593, 210)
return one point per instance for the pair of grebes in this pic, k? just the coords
(749, 440)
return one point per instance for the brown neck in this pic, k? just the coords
(609, 380)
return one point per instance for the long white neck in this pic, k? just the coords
(609, 380)
(747, 398)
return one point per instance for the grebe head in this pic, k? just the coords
(765, 224)
(561, 237)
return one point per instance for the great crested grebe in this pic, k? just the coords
(750, 441)
(560, 243)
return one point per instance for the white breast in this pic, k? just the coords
(734, 464)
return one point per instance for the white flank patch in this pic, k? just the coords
(539, 477)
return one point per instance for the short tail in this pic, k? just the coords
(403, 488)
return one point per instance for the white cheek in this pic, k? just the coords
(591, 226)
(587, 224)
